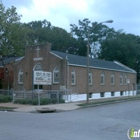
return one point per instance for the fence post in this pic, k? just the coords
(57, 96)
(14, 97)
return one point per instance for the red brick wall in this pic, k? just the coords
(50, 61)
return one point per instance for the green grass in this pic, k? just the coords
(110, 100)
(7, 108)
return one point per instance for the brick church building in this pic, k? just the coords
(70, 71)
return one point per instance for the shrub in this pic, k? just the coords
(43, 101)
(5, 98)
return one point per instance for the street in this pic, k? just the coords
(108, 122)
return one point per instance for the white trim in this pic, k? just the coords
(19, 77)
(121, 79)
(102, 76)
(19, 59)
(56, 55)
(112, 76)
(74, 77)
(100, 68)
(124, 66)
(38, 59)
(90, 75)
(54, 71)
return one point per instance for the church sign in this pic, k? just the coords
(42, 78)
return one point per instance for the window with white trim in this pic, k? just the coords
(90, 77)
(121, 79)
(112, 79)
(73, 77)
(38, 67)
(20, 77)
(102, 78)
(125, 79)
(56, 75)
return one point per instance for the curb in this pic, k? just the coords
(109, 102)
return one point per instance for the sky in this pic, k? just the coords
(61, 13)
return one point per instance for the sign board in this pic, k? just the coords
(42, 78)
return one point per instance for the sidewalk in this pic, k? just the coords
(71, 105)
(31, 108)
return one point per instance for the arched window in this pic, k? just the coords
(73, 77)
(20, 77)
(90, 77)
(38, 67)
(56, 75)
(125, 79)
(102, 78)
(121, 79)
(112, 79)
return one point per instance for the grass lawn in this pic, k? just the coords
(7, 108)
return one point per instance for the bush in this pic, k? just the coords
(23, 101)
(5, 98)
(43, 101)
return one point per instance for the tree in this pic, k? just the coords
(92, 32)
(122, 47)
(42, 31)
(9, 30)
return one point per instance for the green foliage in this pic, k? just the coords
(9, 30)
(123, 48)
(43, 101)
(5, 98)
(89, 33)
(42, 32)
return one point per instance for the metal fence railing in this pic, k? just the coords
(6, 92)
(138, 89)
(38, 94)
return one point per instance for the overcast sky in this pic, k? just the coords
(62, 13)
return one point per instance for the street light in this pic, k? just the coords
(88, 45)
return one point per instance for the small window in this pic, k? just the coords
(73, 77)
(112, 79)
(20, 77)
(121, 79)
(121, 93)
(56, 75)
(112, 93)
(102, 78)
(36, 87)
(102, 94)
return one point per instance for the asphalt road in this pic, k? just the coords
(108, 122)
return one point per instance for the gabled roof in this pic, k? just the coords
(96, 63)
(8, 60)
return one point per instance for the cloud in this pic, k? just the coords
(58, 12)
(62, 13)
(17, 3)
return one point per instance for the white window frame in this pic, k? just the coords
(38, 67)
(20, 77)
(125, 79)
(102, 78)
(56, 71)
(73, 77)
(121, 79)
(90, 77)
(112, 79)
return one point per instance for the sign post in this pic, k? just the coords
(42, 78)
